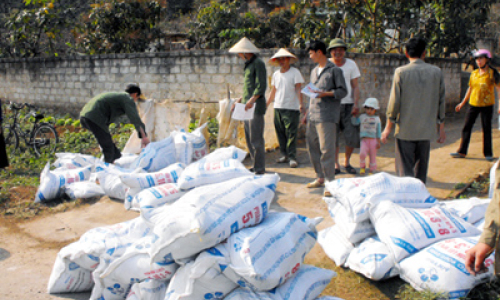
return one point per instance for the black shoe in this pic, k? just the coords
(260, 172)
(251, 170)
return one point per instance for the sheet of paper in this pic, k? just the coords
(308, 90)
(241, 114)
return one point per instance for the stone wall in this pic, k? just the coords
(201, 77)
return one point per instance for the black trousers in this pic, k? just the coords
(4, 160)
(109, 149)
(412, 158)
(486, 113)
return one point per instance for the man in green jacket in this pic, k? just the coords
(254, 89)
(105, 109)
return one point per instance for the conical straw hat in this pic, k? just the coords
(282, 53)
(244, 46)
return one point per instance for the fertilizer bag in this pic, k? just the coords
(335, 244)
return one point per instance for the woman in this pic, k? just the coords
(481, 97)
(4, 161)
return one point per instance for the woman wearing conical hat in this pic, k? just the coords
(285, 92)
(254, 88)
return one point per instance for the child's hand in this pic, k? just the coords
(378, 144)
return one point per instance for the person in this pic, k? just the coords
(285, 92)
(104, 109)
(488, 241)
(254, 88)
(370, 132)
(324, 114)
(416, 105)
(4, 159)
(481, 98)
(349, 105)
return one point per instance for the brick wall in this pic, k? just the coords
(65, 84)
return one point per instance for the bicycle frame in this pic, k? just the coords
(27, 135)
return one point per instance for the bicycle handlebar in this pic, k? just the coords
(21, 106)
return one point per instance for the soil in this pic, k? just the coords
(28, 248)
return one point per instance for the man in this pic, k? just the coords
(349, 105)
(104, 109)
(417, 106)
(475, 256)
(285, 92)
(324, 114)
(254, 88)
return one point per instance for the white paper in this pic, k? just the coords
(308, 90)
(241, 114)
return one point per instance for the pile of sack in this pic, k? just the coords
(388, 226)
(204, 231)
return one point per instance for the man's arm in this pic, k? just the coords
(260, 84)
(133, 116)
(271, 96)
(355, 94)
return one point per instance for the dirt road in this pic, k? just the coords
(28, 249)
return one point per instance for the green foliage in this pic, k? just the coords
(121, 26)
(221, 25)
(32, 31)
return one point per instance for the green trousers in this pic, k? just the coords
(286, 123)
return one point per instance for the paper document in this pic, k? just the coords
(241, 114)
(309, 89)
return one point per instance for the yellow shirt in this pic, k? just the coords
(482, 89)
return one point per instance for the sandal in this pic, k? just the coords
(327, 193)
(457, 155)
(315, 184)
(282, 160)
(337, 171)
(349, 169)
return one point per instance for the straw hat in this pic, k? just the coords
(282, 53)
(244, 46)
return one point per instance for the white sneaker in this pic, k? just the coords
(293, 163)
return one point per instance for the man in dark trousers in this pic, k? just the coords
(417, 107)
(105, 109)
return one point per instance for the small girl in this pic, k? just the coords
(370, 132)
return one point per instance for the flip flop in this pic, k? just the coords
(349, 169)
(315, 184)
(337, 171)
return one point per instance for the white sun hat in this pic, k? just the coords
(282, 52)
(244, 46)
(372, 102)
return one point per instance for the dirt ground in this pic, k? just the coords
(28, 249)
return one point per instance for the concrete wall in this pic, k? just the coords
(65, 84)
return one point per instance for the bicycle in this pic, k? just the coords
(42, 137)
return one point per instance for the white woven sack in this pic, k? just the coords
(69, 277)
(146, 180)
(480, 224)
(440, 268)
(183, 148)
(335, 244)
(156, 156)
(373, 259)
(156, 196)
(493, 171)
(198, 142)
(149, 289)
(306, 284)
(354, 232)
(126, 160)
(358, 194)
(225, 153)
(83, 190)
(265, 256)
(471, 210)
(201, 278)
(405, 230)
(202, 173)
(329, 298)
(112, 185)
(207, 215)
(74, 160)
(52, 183)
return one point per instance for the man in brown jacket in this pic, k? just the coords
(475, 256)
(416, 106)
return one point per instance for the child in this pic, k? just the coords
(370, 132)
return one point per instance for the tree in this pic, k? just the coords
(33, 31)
(121, 26)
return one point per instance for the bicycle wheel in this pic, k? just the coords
(11, 139)
(45, 140)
